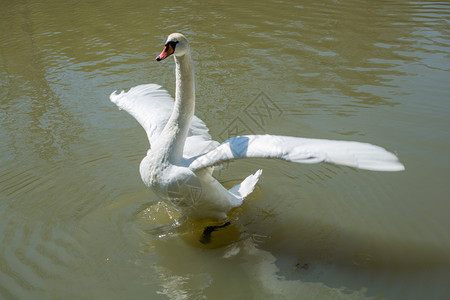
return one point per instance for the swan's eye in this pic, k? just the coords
(171, 44)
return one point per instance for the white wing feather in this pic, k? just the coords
(152, 106)
(301, 150)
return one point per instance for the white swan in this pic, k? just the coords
(179, 165)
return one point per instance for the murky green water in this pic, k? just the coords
(76, 222)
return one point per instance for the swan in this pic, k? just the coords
(178, 166)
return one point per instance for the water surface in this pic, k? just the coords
(77, 222)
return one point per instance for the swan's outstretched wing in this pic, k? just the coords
(152, 106)
(301, 150)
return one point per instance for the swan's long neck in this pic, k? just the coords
(178, 125)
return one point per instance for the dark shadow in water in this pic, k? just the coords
(313, 251)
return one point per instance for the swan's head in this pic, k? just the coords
(176, 44)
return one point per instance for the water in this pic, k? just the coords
(77, 222)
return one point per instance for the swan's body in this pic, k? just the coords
(179, 165)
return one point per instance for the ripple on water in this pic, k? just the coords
(34, 254)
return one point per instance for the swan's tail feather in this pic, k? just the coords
(247, 186)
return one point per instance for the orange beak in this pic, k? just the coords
(167, 51)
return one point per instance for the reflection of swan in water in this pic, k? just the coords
(179, 165)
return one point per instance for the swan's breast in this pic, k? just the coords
(177, 185)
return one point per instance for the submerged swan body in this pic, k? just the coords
(179, 165)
